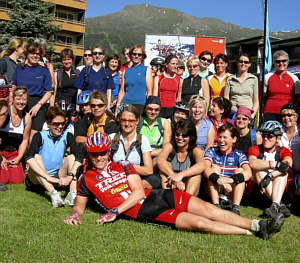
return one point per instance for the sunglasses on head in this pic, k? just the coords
(244, 62)
(152, 109)
(287, 115)
(278, 61)
(178, 134)
(88, 55)
(206, 59)
(98, 53)
(268, 135)
(93, 106)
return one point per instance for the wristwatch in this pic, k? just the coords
(73, 176)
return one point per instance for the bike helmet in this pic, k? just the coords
(158, 61)
(98, 142)
(181, 106)
(83, 97)
(272, 127)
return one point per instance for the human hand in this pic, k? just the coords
(64, 181)
(73, 219)
(14, 162)
(4, 163)
(180, 186)
(53, 180)
(34, 110)
(176, 178)
(106, 218)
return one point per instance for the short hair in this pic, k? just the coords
(228, 127)
(197, 99)
(98, 95)
(111, 57)
(67, 52)
(97, 46)
(280, 53)
(194, 59)
(205, 52)
(53, 112)
(224, 58)
(223, 104)
(186, 126)
(169, 58)
(139, 47)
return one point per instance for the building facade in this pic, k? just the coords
(70, 15)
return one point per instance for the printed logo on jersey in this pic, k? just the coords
(112, 181)
(119, 189)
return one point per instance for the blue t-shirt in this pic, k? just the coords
(100, 80)
(202, 133)
(117, 84)
(36, 79)
(135, 85)
(227, 162)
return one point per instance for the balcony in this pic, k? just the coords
(70, 25)
(3, 13)
(79, 4)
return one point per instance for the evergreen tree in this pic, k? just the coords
(29, 19)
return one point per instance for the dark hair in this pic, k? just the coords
(67, 52)
(31, 47)
(52, 112)
(97, 46)
(228, 127)
(243, 55)
(169, 58)
(139, 47)
(205, 52)
(186, 127)
(223, 104)
(111, 57)
(224, 58)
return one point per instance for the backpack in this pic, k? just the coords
(159, 122)
(86, 76)
(60, 74)
(173, 153)
(261, 152)
(115, 147)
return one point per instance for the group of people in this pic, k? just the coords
(146, 142)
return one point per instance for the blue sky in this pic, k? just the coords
(283, 14)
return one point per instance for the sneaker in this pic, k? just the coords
(270, 226)
(71, 198)
(271, 211)
(217, 205)
(3, 187)
(56, 199)
(236, 209)
(225, 202)
(284, 210)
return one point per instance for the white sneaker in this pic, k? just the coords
(71, 198)
(56, 199)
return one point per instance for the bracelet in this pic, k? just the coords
(40, 103)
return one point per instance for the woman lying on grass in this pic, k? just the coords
(120, 191)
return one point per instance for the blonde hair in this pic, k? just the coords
(13, 44)
(197, 99)
(19, 91)
(194, 59)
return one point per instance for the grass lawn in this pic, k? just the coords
(32, 231)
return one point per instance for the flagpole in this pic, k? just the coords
(264, 63)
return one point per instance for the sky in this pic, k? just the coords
(283, 14)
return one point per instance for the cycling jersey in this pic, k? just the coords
(227, 162)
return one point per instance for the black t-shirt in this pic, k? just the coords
(190, 87)
(244, 143)
(65, 87)
(82, 125)
(7, 67)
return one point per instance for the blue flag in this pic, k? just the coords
(268, 52)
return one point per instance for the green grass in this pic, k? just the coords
(32, 231)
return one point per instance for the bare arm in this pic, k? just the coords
(149, 82)
(3, 111)
(121, 93)
(210, 137)
(259, 164)
(108, 95)
(155, 86)
(77, 210)
(205, 88)
(162, 163)
(167, 131)
(255, 105)
(80, 139)
(179, 92)
(54, 85)
(147, 168)
(258, 138)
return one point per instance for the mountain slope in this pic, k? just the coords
(129, 26)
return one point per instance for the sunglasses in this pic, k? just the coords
(124, 121)
(93, 106)
(244, 62)
(152, 109)
(193, 66)
(35, 53)
(278, 61)
(137, 54)
(181, 68)
(242, 119)
(177, 134)
(206, 59)
(57, 124)
(88, 55)
(268, 135)
(287, 115)
(98, 53)
(96, 154)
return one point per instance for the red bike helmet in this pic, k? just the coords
(98, 142)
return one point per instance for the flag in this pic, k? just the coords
(268, 52)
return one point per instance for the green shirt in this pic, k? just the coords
(154, 136)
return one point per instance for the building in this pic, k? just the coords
(70, 15)
(254, 47)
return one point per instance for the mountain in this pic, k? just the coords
(129, 26)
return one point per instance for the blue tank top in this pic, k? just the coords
(202, 133)
(52, 153)
(135, 85)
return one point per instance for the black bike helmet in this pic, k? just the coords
(158, 61)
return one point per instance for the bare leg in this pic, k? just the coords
(279, 184)
(204, 209)
(193, 185)
(238, 191)
(146, 184)
(189, 221)
(213, 192)
(66, 167)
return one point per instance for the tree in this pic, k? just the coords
(29, 19)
